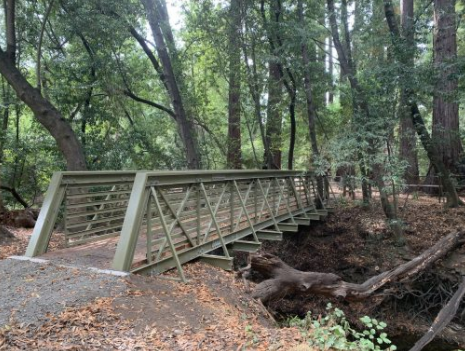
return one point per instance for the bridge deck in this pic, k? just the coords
(98, 254)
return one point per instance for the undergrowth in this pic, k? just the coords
(334, 332)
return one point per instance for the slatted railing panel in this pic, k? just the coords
(95, 212)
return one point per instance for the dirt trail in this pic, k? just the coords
(49, 307)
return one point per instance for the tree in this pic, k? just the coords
(348, 70)
(234, 105)
(445, 133)
(311, 110)
(433, 153)
(157, 17)
(44, 111)
(408, 151)
(365, 122)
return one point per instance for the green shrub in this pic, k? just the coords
(334, 332)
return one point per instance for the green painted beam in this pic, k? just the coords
(301, 221)
(246, 246)
(47, 217)
(137, 205)
(314, 216)
(270, 235)
(322, 212)
(223, 262)
(288, 227)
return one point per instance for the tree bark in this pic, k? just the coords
(408, 152)
(445, 133)
(157, 19)
(234, 158)
(330, 71)
(10, 29)
(273, 116)
(281, 279)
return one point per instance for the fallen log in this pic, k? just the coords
(281, 279)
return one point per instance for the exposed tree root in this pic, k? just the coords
(282, 280)
(443, 318)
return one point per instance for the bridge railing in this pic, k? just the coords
(164, 219)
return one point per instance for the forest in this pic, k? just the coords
(367, 89)
(366, 95)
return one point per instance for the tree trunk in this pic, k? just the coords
(286, 77)
(46, 114)
(445, 133)
(433, 153)
(253, 83)
(359, 102)
(43, 110)
(234, 158)
(311, 110)
(408, 152)
(330, 71)
(186, 126)
(274, 119)
(281, 279)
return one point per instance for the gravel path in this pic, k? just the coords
(29, 291)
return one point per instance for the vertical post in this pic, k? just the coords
(48, 214)
(130, 232)
(198, 215)
(255, 202)
(231, 203)
(273, 193)
(149, 231)
(288, 191)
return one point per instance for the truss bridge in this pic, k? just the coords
(144, 221)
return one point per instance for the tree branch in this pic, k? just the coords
(150, 103)
(16, 195)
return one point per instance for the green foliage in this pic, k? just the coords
(334, 332)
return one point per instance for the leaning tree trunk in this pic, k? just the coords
(46, 114)
(155, 16)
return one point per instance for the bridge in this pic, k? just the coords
(144, 221)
